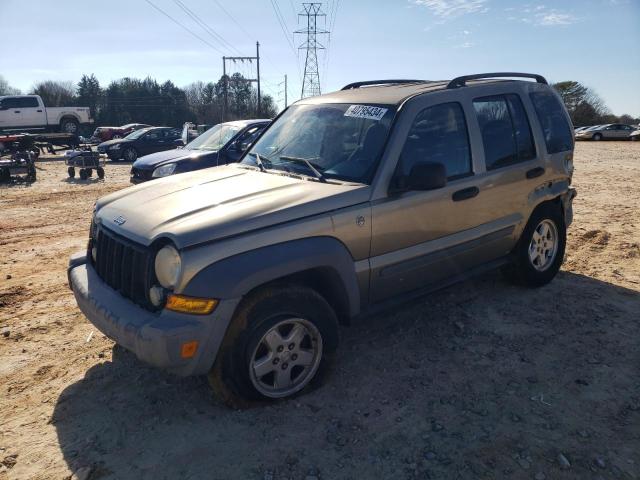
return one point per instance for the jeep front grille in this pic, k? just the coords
(125, 266)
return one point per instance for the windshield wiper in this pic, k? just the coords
(258, 162)
(308, 164)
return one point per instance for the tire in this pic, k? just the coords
(635, 138)
(129, 154)
(538, 256)
(83, 174)
(100, 172)
(72, 172)
(297, 322)
(69, 125)
(5, 175)
(89, 172)
(597, 137)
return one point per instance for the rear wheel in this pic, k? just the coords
(5, 175)
(31, 174)
(100, 172)
(597, 137)
(278, 342)
(540, 250)
(69, 125)
(83, 174)
(72, 172)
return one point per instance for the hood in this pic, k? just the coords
(108, 143)
(215, 203)
(156, 159)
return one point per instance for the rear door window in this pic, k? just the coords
(505, 129)
(27, 102)
(555, 127)
(439, 134)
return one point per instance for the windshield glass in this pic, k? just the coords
(215, 138)
(136, 134)
(340, 141)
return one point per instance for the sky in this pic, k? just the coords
(596, 42)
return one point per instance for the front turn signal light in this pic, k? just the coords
(194, 305)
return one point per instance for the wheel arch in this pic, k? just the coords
(69, 116)
(321, 263)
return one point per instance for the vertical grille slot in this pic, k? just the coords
(123, 265)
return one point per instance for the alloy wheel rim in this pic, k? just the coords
(543, 247)
(286, 358)
(130, 155)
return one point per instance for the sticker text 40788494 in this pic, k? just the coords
(365, 111)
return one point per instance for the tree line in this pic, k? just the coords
(133, 100)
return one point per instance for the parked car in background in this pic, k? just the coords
(579, 129)
(141, 142)
(612, 131)
(27, 112)
(225, 143)
(103, 134)
(635, 135)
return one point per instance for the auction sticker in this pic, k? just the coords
(365, 111)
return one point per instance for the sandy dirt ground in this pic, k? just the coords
(483, 380)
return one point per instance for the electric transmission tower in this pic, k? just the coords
(311, 79)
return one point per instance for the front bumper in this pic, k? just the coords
(155, 338)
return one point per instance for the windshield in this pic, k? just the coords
(215, 138)
(340, 141)
(137, 134)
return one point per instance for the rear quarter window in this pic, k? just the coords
(553, 120)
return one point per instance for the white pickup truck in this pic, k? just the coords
(27, 112)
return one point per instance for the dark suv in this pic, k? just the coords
(222, 144)
(141, 142)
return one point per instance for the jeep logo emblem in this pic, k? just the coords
(119, 220)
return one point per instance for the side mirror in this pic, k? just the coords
(423, 176)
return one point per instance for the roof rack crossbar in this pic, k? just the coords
(462, 81)
(378, 82)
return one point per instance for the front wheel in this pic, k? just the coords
(539, 253)
(278, 342)
(597, 137)
(130, 154)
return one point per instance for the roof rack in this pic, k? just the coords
(462, 81)
(378, 82)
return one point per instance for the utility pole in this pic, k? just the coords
(285, 91)
(252, 80)
(258, 75)
(226, 86)
(311, 79)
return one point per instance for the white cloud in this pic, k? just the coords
(554, 18)
(453, 8)
(544, 16)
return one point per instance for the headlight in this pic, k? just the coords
(164, 170)
(114, 147)
(168, 265)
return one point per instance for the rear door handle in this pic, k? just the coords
(39, 111)
(465, 194)
(16, 111)
(535, 172)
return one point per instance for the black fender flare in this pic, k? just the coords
(238, 275)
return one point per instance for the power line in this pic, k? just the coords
(183, 26)
(205, 27)
(283, 25)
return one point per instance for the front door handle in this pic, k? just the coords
(16, 111)
(535, 172)
(39, 111)
(465, 194)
